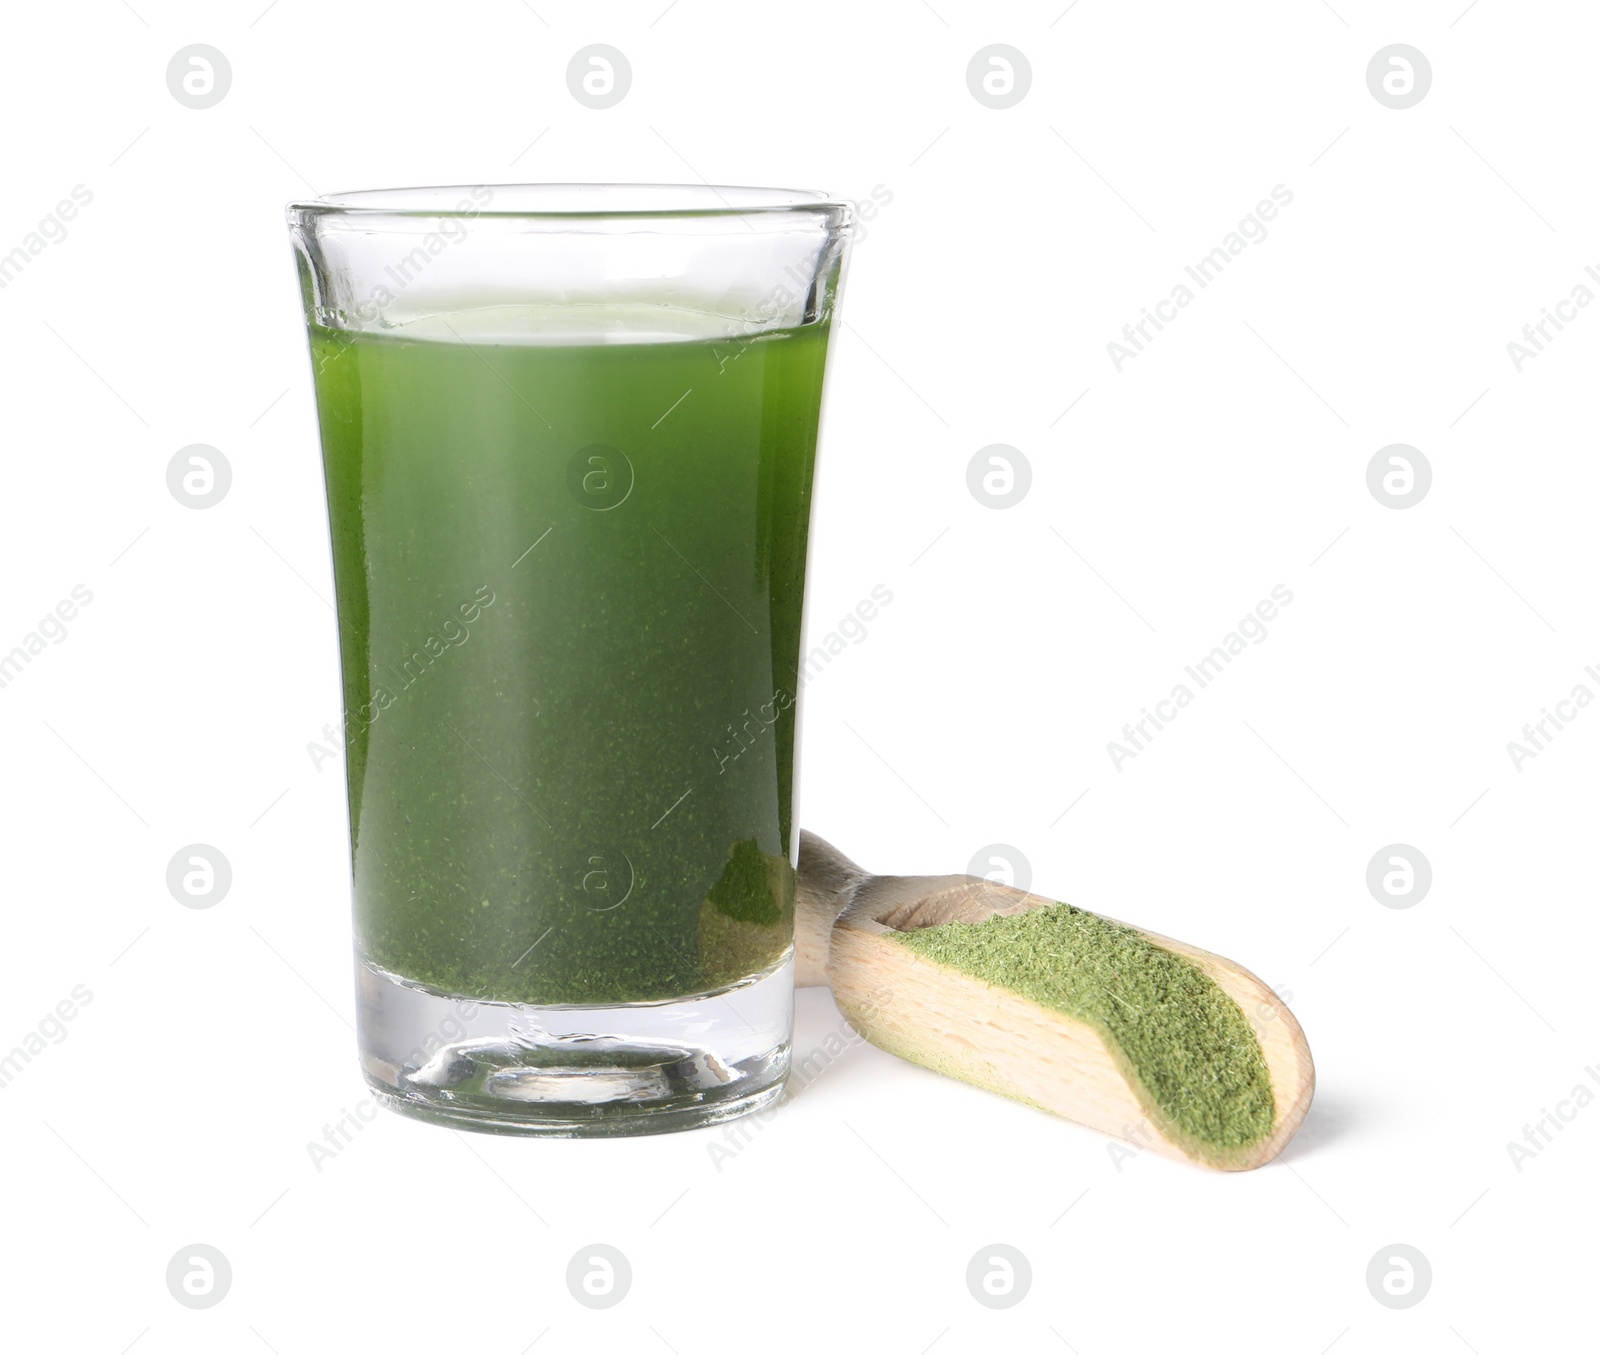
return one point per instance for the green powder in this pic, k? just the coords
(1182, 1042)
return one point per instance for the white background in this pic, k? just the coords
(1227, 458)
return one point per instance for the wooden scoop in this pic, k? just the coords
(931, 1014)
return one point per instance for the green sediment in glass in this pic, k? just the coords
(1182, 1041)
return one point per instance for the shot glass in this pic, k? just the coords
(568, 438)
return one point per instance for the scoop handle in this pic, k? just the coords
(824, 887)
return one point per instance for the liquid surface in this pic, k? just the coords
(1183, 1040)
(570, 586)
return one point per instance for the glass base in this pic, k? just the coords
(575, 1072)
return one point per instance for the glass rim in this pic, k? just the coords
(573, 201)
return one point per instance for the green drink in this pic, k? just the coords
(603, 753)
(569, 547)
